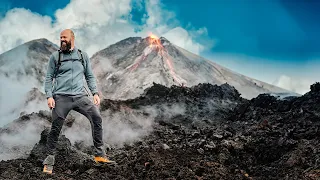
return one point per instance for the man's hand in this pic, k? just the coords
(51, 103)
(96, 99)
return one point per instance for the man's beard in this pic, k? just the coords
(65, 47)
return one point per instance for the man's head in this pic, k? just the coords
(66, 40)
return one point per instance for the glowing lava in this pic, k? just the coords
(155, 45)
(154, 41)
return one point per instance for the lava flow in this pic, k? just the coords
(155, 45)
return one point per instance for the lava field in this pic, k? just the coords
(220, 136)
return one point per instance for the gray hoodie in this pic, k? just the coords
(69, 78)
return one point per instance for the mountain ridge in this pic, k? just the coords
(120, 61)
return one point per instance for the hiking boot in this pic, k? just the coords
(47, 169)
(48, 164)
(103, 159)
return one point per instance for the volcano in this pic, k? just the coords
(128, 67)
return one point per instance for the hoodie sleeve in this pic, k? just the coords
(90, 78)
(49, 77)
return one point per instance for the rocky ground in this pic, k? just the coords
(220, 136)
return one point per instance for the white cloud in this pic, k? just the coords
(21, 25)
(298, 85)
(157, 16)
(97, 12)
(99, 24)
(182, 38)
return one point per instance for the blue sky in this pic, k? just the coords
(274, 37)
(273, 28)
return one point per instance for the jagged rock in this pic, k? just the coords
(315, 87)
(200, 150)
(165, 146)
(45, 114)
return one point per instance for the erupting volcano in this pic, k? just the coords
(156, 46)
(125, 69)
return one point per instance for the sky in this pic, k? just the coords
(275, 41)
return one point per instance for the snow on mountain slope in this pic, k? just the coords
(126, 68)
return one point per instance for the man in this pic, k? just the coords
(68, 93)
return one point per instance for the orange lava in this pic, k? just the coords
(155, 44)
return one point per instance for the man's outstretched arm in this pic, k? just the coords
(90, 78)
(49, 77)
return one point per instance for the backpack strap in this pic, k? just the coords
(84, 67)
(57, 64)
(81, 58)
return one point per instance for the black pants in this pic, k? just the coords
(82, 104)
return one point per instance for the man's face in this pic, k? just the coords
(65, 41)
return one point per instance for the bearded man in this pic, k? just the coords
(66, 67)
